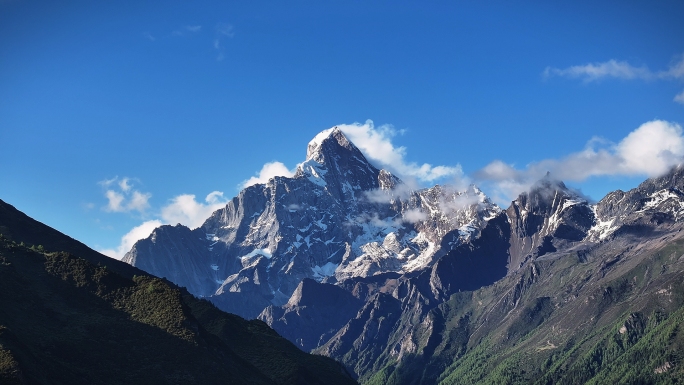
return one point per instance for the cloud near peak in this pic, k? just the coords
(183, 209)
(137, 233)
(376, 145)
(268, 171)
(650, 150)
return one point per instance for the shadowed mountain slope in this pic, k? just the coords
(67, 320)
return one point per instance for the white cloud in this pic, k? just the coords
(676, 70)
(401, 191)
(115, 201)
(124, 185)
(127, 241)
(375, 220)
(268, 171)
(184, 209)
(621, 70)
(596, 71)
(650, 150)
(138, 201)
(376, 145)
(414, 216)
(122, 197)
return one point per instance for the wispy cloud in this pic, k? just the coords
(222, 31)
(650, 150)
(679, 98)
(149, 36)
(376, 145)
(414, 216)
(122, 197)
(620, 70)
(401, 191)
(595, 71)
(187, 30)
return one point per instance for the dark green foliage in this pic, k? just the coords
(64, 320)
(531, 317)
(607, 315)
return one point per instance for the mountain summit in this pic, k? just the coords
(546, 218)
(337, 218)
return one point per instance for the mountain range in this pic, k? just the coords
(337, 218)
(417, 286)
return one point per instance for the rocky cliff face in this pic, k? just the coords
(337, 218)
(571, 272)
(654, 201)
(401, 285)
(546, 218)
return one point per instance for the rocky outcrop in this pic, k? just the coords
(548, 217)
(337, 218)
(313, 314)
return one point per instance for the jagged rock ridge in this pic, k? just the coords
(337, 218)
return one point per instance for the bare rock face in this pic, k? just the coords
(337, 218)
(654, 202)
(548, 217)
(313, 314)
(427, 319)
(344, 260)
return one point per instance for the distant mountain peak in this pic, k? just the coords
(549, 182)
(338, 216)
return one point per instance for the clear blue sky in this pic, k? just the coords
(191, 97)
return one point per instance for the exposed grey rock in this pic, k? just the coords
(313, 314)
(548, 217)
(338, 217)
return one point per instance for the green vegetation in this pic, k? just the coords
(609, 315)
(64, 320)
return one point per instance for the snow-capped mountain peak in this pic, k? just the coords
(330, 137)
(323, 223)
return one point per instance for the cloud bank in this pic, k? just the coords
(183, 209)
(376, 145)
(650, 150)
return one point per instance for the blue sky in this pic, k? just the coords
(112, 114)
